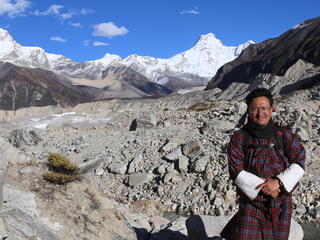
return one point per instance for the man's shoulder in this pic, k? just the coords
(238, 135)
(283, 130)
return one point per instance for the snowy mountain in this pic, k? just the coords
(194, 67)
(203, 60)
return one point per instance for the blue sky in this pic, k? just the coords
(85, 30)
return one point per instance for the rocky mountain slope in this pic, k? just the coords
(284, 64)
(194, 67)
(24, 87)
(139, 160)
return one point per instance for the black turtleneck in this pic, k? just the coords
(260, 131)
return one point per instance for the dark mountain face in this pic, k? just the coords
(24, 87)
(129, 76)
(272, 56)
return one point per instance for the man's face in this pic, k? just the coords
(260, 111)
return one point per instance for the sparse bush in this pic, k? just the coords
(60, 178)
(64, 170)
(201, 106)
(62, 164)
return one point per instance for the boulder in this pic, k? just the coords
(117, 167)
(145, 120)
(20, 137)
(192, 149)
(204, 226)
(139, 178)
(7, 153)
(200, 164)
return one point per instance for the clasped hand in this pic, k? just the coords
(270, 187)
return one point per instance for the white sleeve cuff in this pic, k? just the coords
(291, 176)
(247, 183)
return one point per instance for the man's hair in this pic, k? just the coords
(259, 92)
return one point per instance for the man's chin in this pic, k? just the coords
(260, 123)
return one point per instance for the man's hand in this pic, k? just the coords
(270, 187)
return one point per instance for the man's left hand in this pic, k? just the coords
(270, 187)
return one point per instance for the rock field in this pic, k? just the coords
(138, 162)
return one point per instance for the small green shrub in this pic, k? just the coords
(63, 170)
(62, 164)
(60, 178)
(202, 106)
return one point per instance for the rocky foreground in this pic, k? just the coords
(139, 162)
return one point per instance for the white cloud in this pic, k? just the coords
(97, 44)
(78, 25)
(55, 10)
(52, 10)
(195, 11)
(108, 29)
(85, 11)
(86, 42)
(58, 39)
(13, 8)
(68, 15)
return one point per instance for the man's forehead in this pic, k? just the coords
(261, 101)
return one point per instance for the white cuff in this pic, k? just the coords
(247, 182)
(291, 176)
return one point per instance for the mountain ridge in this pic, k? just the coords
(272, 56)
(201, 61)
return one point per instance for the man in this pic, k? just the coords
(264, 172)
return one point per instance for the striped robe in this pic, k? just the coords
(263, 217)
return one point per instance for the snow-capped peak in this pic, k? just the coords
(240, 48)
(208, 40)
(5, 36)
(107, 59)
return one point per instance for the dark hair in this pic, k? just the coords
(259, 92)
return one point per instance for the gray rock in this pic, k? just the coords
(139, 178)
(145, 120)
(240, 108)
(301, 209)
(3, 232)
(21, 216)
(169, 176)
(21, 137)
(28, 170)
(303, 134)
(208, 175)
(161, 169)
(204, 226)
(200, 164)
(158, 223)
(170, 168)
(192, 149)
(222, 126)
(183, 163)
(218, 201)
(170, 145)
(134, 164)
(7, 153)
(230, 197)
(21, 225)
(91, 164)
(317, 213)
(175, 154)
(175, 230)
(117, 167)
